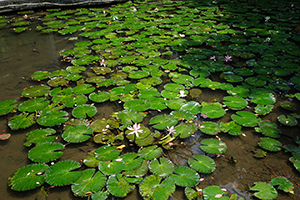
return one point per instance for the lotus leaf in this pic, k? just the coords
(100, 126)
(90, 160)
(214, 193)
(259, 153)
(52, 118)
(101, 195)
(185, 130)
(32, 105)
(235, 103)
(263, 98)
(157, 104)
(212, 110)
(111, 167)
(243, 71)
(132, 161)
(99, 97)
(118, 186)
(162, 168)
(240, 91)
(7, 106)
(153, 186)
(45, 152)
(139, 172)
(287, 120)
(77, 134)
(57, 81)
(83, 89)
(185, 176)
(265, 190)
(106, 153)
(36, 91)
(70, 100)
(84, 111)
(268, 129)
(75, 69)
(174, 87)
(150, 152)
(40, 75)
(151, 94)
(184, 79)
(169, 95)
(270, 144)
(210, 128)
(232, 78)
(39, 136)
(27, 177)
(137, 105)
(129, 116)
(138, 74)
(59, 73)
(283, 184)
(175, 104)
(96, 79)
(162, 122)
(88, 183)
(263, 109)
(61, 173)
(192, 106)
(182, 115)
(213, 146)
(231, 128)
(23, 121)
(287, 105)
(255, 81)
(245, 118)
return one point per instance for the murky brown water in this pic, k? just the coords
(23, 54)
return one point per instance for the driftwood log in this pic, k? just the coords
(15, 5)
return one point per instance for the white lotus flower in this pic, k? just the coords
(135, 129)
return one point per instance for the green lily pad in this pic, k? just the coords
(83, 89)
(111, 167)
(153, 186)
(139, 172)
(270, 144)
(192, 106)
(283, 184)
(263, 109)
(287, 120)
(23, 120)
(88, 183)
(162, 168)
(210, 128)
(235, 103)
(150, 152)
(185, 130)
(90, 160)
(36, 91)
(127, 117)
(84, 111)
(265, 190)
(118, 186)
(287, 105)
(212, 110)
(182, 115)
(245, 118)
(263, 98)
(27, 177)
(202, 163)
(99, 97)
(57, 81)
(162, 122)
(175, 104)
(39, 136)
(77, 134)
(185, 176)
(231, 128)
(70, 100)
(32, 105)
(213, 146)
(255, 81)
(137, 105)
(7, 106)
(52, 118)
(106, 153)
(268, 129)
(259, 153)
(214, 193)
(132, 161)
(232, 78)
(46, 152)
(240, 91)
(61, 173)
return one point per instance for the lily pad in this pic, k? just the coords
(118, 186)
(39, 136)
(162, 168)
(283, 184)
(192, 106)
(23, 120)
(132, 161)
(7, 106)
(210, 128)
(245, 118)
(212, 110)
(268, 129)
(127, 117)
(231, 128)
(106, 153)
(202, 163)
(214, 193)
(46, 152)
(185, 176)
(150, 152)
(111, 167)
(265, 190)
(213, 146)
(84, 111)
(185, 130)
(36, 91)
(52, 118)
(90, 160)
(263, 98)
(61, 173)
(27, 177)
(263, 109)
(99, 97)
(32, 105)
(77, 134)
(90, 182)
(162, 122)
(287, 120)
(270, 144)
(235, 103)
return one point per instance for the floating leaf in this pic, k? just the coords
(132, 161)
(46, 152)
(88, 183)
(77, 134)
(245, 118)
(84, 111)
(210, 128)
(265, 190)
(83, 89)
(111, 167)
(150, 152)
(287, 105)
(7, 106)
(162, 168)
(23, 120)
(99, 97)
(32, 105)
(270, 144)
(139, 172)
(214, 193)
(213, 146)
(231, 128)
(283, 184)
(129, 116)
(185, 130)
(268, 129)
(137, 105)
(192, 106)
(235, 103)
(287, 120)
(185, 176)
(263, 98)
(153, 186)
(162, 122)
(90, 160)
(212, 110)
(263, 109)
(27, 177)
(118, 186)
(259, 153)
(106, 153)
(36, 91)
(52, 118)
(39, 136)
(202, 163)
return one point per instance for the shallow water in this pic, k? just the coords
(23, 54)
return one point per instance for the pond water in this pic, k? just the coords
(174, 41)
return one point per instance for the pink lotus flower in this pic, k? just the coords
(102, 63)
(171, 130)
(228, 58)
(213, 58)
(25, 16)
(135, 129)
